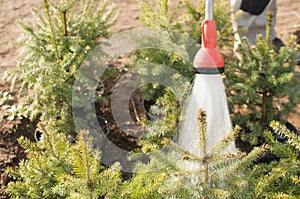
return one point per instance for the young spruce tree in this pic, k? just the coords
(173, 172)
(262, 86)
(52, 52)
(56, 168)
(279, 179)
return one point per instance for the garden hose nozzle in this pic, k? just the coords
(209, 59)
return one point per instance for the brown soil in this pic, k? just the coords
(288, 22)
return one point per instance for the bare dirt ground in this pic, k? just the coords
(12, 12)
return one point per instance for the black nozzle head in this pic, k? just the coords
(209, 70)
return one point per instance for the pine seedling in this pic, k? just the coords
(55, 168)
(89, 178)
(162, 17)
(52, 52)
(262, 86)
(173, 172)
(167, 110)
(280, 179)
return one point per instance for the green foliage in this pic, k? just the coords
(262, 86)
(168, 110)
(162, 17)
(55, 168)
(279, 179)
(175, 18)
(144, 185)
(173, 172)
(4, 97)
(166, 174)
(171, 51)
(52, 51)
(185, 17)
(11, 111)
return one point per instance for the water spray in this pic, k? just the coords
(208, 93)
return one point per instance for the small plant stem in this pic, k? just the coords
(268, 28)
(266, 64)
(87, 168)
(205, 167)
(264, 107)
(48, 138)
(202, 127)
(46, 5)
(177, 114)
(64, 18)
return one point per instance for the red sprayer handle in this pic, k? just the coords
(209, 59)
(209, 34)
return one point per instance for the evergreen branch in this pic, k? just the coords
(268, 180)
(163, 8)
(64, 19)
(148, 14)
(169, 162)
(49, 140)
(277, 195)
(53, 37)
(293, 139)
(203, 145)
(217, 193)
(175, 12)
(186, 155)
(109, 11)
(295, 179)
(248, 160)
(278, 148)
(85, 161)
(194, 13)
(268, 28)
(221, 162)
(225, 142)
(87, 168)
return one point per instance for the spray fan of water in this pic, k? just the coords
(208, 94)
